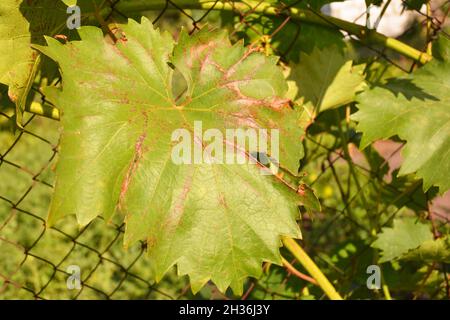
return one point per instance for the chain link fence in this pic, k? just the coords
(37, 262)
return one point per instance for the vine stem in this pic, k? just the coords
(302, 257)
(297, 273)
(364, 35)
(429, 31)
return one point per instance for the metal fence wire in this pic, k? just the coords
(38, 262)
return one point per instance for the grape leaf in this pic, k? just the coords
(441, 46)
(416, 108)
(214, 221)
(326, 79)
(405, 235)
(431, 251)
(23, 23)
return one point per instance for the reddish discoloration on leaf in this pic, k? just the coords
(138, 152)
(222, 201)
(245, 120)
(12, 96)
(233, 68)
(151, 242)
(195, 52)
(203, 54)
(275, 103)
(301, 190)
(205, 62)
(215, 64)
(174, 216)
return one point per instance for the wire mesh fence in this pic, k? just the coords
(37, 262)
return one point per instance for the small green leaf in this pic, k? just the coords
(431, 251)
(326, 79)
(405, 235)
(441, 47)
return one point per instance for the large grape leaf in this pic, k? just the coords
(215, 221)
(416, 108)
(23, 23)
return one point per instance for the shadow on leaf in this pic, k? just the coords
(408, 89)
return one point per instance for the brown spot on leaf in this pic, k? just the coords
(195, 52)
(151, 242)
(301, 190)
(222, 201)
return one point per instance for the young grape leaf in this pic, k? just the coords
(214, 221)
(416, 108)
(23, 23)
(326, 79)
(431, 251)
(441, 46)
(405, 235)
